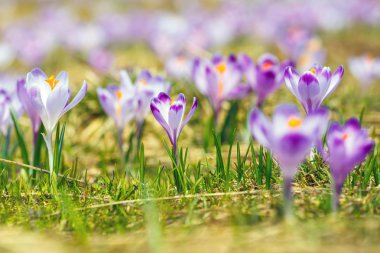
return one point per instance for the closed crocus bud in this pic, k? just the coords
(347, 147)
(313, 86)
(365, 68)
(289, 137)
(170, 114)
(219, 79)
(266, 76)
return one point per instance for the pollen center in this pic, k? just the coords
(345, 136)
(312, 70)
(119, 94)
(294, 122)
(266, 65)
(143, 82)
(221, 67)
(52, 82)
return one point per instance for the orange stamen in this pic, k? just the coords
(345, 136)
(52, 82)
(266, 65)
(143, 82)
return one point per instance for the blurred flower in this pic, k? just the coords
(170, 115)
(5, 111)
(365, 68)
(8, 101)
(348, 146)
(27, 104)
(117, 102)
(179, 66)
(288, 136)
(50, 97)
(219, 80)
(314, 54)
(266, 76)
(313, 86)
(100, 59)
(144, 89)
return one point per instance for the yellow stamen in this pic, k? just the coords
(294, 122)
(345, 136)
(119, 94)
(221, 67)
(52, 82)
(312, 70)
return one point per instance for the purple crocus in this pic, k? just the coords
(348, 146)
(266, 76)
(169, 113)
(313, 86)
(289, 137)
(143, 90)
(5, 111)
(27, 104)
(219, 80)
(365, 68)
(118, 103)
(50, 98)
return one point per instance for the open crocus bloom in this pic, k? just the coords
(144, 89)
(117, 102)
(289, 136)
(266, 76)
(313, 86)
(219, 79)
(169, 113)
(50, 96)
(365, 68)
(348, 146)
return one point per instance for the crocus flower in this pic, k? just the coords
(266, 76)
(50, 97)
(348, 146)
(179, 66)
(118, 103)
(170, 115)
(5, 111)
(219, 80)
(144, 89)
(313, 86)
(365, 68)
(289, 137)
(27, 103)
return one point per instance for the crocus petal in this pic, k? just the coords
(260, 127)
(190, 114)
(80, 95)
(291, 80)
(308, 89)
(125, 80)
(176, 112)
(55, 104)
(154, 106)
(335, 80)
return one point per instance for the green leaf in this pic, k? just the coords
(21, 140)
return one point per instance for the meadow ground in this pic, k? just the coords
(228, 201)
